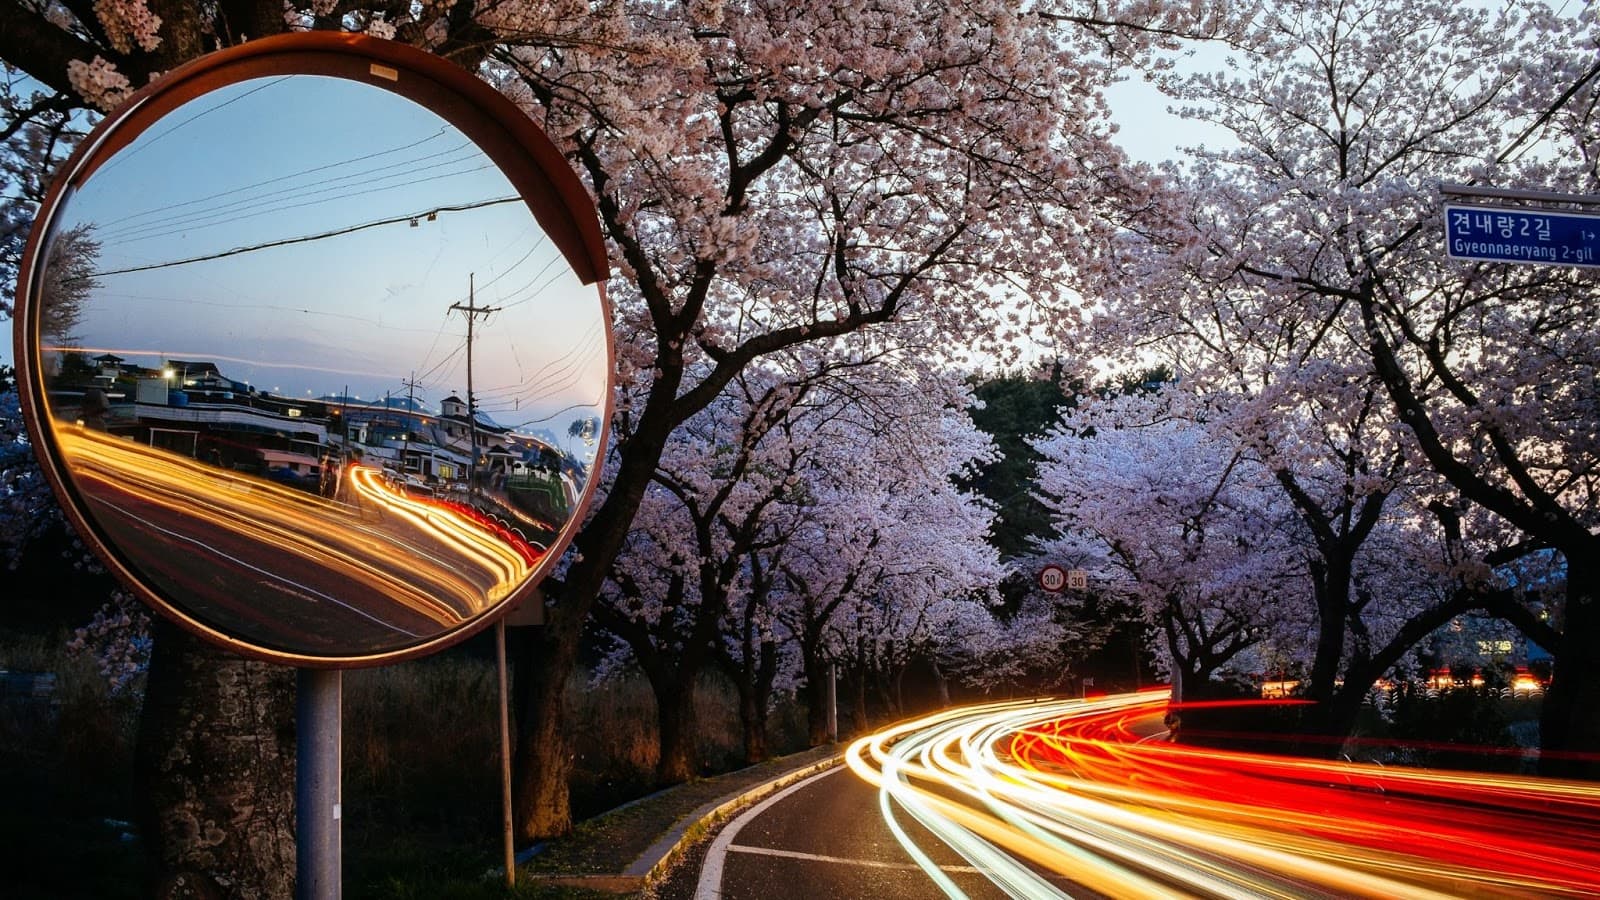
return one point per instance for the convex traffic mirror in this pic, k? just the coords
(313, 347)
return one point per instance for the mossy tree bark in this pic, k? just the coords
(215, 769)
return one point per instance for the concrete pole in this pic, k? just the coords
(505, 755)
(318, 845)
(833, 702)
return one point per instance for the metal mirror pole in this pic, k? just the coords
(318, 850)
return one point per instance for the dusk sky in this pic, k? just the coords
(382, 294)
(352, 283)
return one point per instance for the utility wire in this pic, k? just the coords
(305, 238)
(303, 172)
(214, 218)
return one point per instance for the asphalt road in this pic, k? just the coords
(826, 837)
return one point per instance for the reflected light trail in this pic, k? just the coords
(1051, 798)
(415, 561)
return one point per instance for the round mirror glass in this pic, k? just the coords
(313, 373)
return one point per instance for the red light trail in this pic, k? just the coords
(1050, 797)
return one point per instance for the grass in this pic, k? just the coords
(66, 770)
(422, 780)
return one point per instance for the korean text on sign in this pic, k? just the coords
(1501, 234)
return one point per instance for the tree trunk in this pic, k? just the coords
(858, 705)
(816, 702)
(755, 700)
(752, 674)
(766, 672)
(541, 762)
(941, 683)
(678, 729)
(753, 722)
(1570, 725)
(1337, 718)
(1331, 587)
(214, 771)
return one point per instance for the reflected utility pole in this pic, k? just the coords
(411, 408)
(472, 405)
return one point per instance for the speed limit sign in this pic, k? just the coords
(1052, 578)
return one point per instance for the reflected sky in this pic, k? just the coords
(310, 235)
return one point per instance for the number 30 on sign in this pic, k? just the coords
(1052, 578)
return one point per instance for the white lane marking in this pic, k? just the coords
(710, 885)
(865, 863)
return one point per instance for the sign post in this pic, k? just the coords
(1481, 225)
(1055, 579)
(318, 784)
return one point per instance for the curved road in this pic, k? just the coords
(825, 837)
(1072, 798)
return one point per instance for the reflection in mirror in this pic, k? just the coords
(315, 371)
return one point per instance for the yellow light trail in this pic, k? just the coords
(424, 558)
(1049, 797)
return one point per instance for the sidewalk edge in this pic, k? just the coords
(655, 861)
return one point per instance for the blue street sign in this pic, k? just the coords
(1522, 235)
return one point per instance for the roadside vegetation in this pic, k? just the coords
(421, 775)
(421, 771)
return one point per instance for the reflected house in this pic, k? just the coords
(439, 446)
(398, 435)
(192, 409)
(449, 437)
(108, 366)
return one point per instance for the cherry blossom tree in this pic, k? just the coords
(1254, 531)
(990, 648)
(1180, 522)
(739, 482)
(768, 176)
(685, 559)
(29, 506)
(881, 532)
(38, 132)
(931, 597)
(1348, 120)
(791, 174)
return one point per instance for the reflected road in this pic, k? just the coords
(373, 568)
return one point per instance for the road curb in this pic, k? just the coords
(652, 865)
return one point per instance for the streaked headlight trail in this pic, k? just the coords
(373, 564)
(1063, 798)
